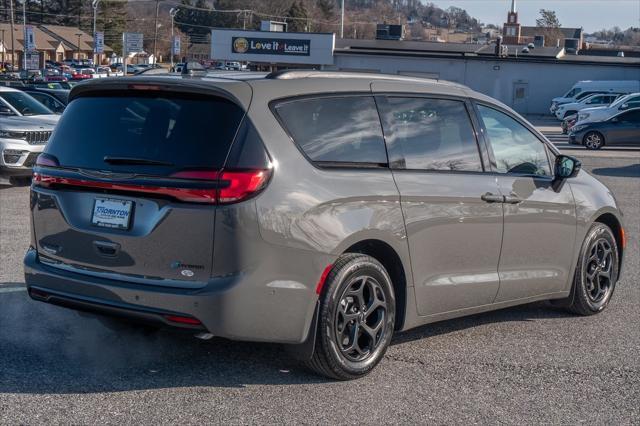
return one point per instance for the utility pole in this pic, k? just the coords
(95, 12)
(79, 35)
(12, 37)
(4, 47)
(24, 35)
(172, 13)
(342, 21)
(155, 36)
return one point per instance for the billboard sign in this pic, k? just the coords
(133, 42)
(99, 42)
(30, 45)
(272, 47)
(33, 61)
(176, 45)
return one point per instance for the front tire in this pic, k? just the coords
(593, 140)
(596, 273)
(357, 317)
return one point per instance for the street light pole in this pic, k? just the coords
(95, 12)
(172, 13)
(13, 52)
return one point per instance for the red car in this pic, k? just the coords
(82, 74)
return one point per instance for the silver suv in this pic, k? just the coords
(321, 210)
(25, 127)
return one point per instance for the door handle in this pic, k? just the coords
(492, 198)
(512, 199)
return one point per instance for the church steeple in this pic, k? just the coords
(511, 29)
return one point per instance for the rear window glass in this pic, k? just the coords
(429, 134)
(173, 132)
(336, 129)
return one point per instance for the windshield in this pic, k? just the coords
(571, 93)
(24, 104)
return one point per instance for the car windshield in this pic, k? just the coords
(573, 92)
(24, 104)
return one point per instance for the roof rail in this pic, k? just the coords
(294, 74)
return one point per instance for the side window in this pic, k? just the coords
(630, 117)
(515, 148)
(335, 129)
(595, 100)
(429, 134)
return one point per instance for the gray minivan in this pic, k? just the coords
(316, 209)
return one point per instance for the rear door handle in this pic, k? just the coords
(492, 198)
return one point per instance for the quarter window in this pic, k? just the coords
(515, 148)
(336, 129)
(429, 134)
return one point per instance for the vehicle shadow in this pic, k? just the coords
(45, 349)
(632, 170)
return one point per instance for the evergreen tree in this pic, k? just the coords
(299, 17)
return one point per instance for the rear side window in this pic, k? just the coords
(429, 134)
(176, 133)
(335, 129)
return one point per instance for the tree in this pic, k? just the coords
(549, 26)
(298, 17)
(548, 19)
(327, 8)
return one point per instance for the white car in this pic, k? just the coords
(582, 89)
(25, 127)
(605, 112)
(601, 99)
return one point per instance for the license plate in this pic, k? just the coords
(110, 213)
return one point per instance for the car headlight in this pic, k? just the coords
(579, 127)
(9, 134)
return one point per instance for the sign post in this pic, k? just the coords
(131, 43)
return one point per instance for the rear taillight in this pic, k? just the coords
(226, 187)
(237, 186)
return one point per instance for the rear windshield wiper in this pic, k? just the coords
(135, 161)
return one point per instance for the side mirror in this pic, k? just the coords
(566, 166)
(5, 110)
(624, 106)
(615, 120)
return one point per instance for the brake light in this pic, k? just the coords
(237, 186)
(182, 320)
(230, 186)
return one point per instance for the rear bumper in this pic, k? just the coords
(226, 307)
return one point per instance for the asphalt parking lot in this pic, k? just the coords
(529, 364)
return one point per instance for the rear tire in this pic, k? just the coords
(593, 140)
(356, 321)
(596, 273)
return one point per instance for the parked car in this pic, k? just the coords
(57, 92)
(303, 224)
(83, 73)
(585, 88)
(52, 99)
(604, 112)
(568, 123)
(25, 126)
(601, 99)
(621, 129)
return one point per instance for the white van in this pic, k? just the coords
(585, 88)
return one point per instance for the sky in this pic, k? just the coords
(592, 15)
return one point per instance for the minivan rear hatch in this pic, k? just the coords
(128, 184)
